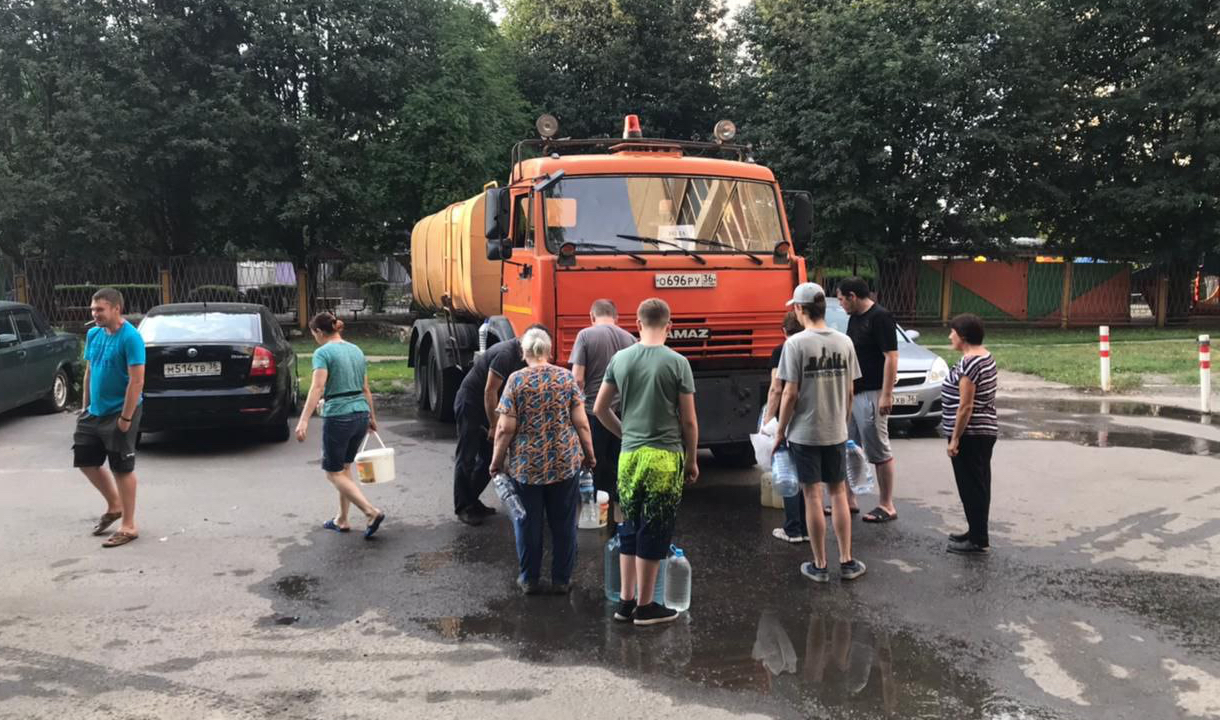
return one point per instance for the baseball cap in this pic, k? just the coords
(806, 293)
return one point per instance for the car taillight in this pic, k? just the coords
(263, 363)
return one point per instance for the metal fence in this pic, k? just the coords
(63, 291)
(1032, 291)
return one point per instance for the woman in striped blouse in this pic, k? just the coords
(969, 421)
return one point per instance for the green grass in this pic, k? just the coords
(1078, 365)
(934, 336)
(384, 377)
(370, 344)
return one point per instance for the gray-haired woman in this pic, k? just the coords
(542, 439)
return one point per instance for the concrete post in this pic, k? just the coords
(1205, 373)
(1104, 354)
(1065, 303)
(1162, 299)
(167, 295)
(303, 298)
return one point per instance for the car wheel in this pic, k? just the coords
(279, 432)
(61, 392)
(736, 455)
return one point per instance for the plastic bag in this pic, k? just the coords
(860, 475)
(773, 646)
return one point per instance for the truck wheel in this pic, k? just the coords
(423, 381)
(444, 389)
(736, 455)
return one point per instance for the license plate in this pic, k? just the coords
(906, 399)
(685, 280)
(195, 369)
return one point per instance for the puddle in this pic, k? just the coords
(1103, 424)
(297, 587)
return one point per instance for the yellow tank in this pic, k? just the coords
(449, 257)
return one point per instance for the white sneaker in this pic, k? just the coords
(780, 534)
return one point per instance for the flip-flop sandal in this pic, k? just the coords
(879, 515)
(332, 525)
(826, 511)
(372, 528)
(119, 538)
(105, 521)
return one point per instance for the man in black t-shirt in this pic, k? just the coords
(474, 408)
(875, 334)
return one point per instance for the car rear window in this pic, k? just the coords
(202, 327)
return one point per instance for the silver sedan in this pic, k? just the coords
(920, 374)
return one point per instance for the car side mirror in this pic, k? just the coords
(7, 339)
(912, 335)
(800, 219)
(495, 214)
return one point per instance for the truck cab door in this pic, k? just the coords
(517, 273)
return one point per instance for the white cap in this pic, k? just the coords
(806, 293)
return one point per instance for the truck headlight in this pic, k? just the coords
(939, 371)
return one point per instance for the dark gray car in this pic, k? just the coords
(37, 363)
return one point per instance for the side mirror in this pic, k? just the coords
(7, 339)
(499, 249)
(800, 219)
(912, 335)
(495, 214)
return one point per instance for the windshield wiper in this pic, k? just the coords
(726, 246)
(658, 242)
(615, 248)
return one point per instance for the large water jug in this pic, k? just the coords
(614, 578)
(677, 587)
(783, 473)
(860, 474)
(508, 496)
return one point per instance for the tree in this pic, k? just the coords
(898, 115)
(591, 62)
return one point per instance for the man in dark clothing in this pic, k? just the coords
(591, 353)
(874, 334)
(474, 408)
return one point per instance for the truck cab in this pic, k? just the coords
(641, 218)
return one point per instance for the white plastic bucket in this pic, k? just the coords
(376, 466)
(603, 507)
(595, 514)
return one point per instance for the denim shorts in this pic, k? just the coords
(341, 439)
(819, 463)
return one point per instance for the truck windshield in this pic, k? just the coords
(735, 215)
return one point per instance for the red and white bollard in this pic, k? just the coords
(1205, 372)
(1104, 354)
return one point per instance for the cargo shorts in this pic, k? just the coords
(98, 440)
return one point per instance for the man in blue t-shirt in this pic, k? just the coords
(109, 422)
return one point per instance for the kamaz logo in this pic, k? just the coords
(690, 333)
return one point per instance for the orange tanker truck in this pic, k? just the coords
(695, 223)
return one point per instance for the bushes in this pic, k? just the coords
(214, 293)
(375, 294)
(138, 298)
(362, 273)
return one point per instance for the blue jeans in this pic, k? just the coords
(560, 503)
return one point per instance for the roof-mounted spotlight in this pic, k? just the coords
(725, 131)
(547, 126)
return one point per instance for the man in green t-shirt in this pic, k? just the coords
(660, 434)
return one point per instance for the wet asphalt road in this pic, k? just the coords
(1101, 598)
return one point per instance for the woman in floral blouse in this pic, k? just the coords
(544, 433)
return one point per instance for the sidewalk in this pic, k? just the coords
(1029, 387)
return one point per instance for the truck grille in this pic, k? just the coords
(731, 335)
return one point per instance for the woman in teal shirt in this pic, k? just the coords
(347, 416)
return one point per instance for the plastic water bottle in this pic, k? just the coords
(508, 496)
(783, 473)
(585, 476)
(483, 330)
(614, 578)
(860, 474)
(677, 587)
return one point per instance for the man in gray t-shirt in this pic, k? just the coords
(594, 347)
(819, 366)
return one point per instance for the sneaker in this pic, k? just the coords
(781, 534)
(482, 510)
(654, 614)
(965, 547)
(959, 537)
(851, 569)
(470, 517)
(529, 588)
(560, 588)
(625, 611)
(815, 573)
